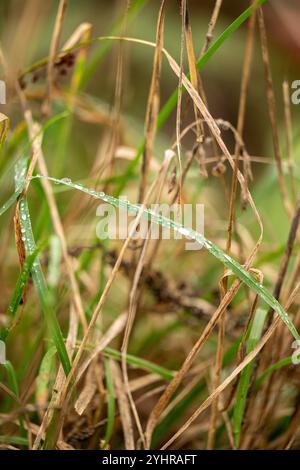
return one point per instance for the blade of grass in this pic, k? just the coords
(140, 363)
(244, 381)
(23, 441)
(281, 363)
(20, 286)
(12, 379)
(42, 290)
(213, 249)
(37, 273)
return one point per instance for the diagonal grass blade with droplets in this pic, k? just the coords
(225, 259)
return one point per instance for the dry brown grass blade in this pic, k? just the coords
(240, 124)
(270, 388)
(216, 407)
(135, 290)
(153, 103)
(124, 407)
(174, 384)
(273, 327)
(217, 367)
(59, 380)
(195, 79)
(98, 310)
(211, 26)
(113, 331)
(154, 416)
(107, 169)
(187, 388)
(226, 382)
(58, 400)
(289, 136)
(59, 230)
(88, 391)
(46, 108)
(179, 99)
(4, 126)
(273, 113)
(267, 335)
(216, 132)
(79, 35)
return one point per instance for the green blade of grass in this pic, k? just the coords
(37, 273)
(243, 385)
(213, 249)
(140, 363)
(20, 286)
(42, 290)
(22, 441)
(277, 365)
(13, 384)
(12, 378)
(11, 200)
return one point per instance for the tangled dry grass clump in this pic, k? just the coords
(130, 344)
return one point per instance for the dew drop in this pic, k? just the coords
(184, 231)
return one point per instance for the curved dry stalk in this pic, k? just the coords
(196, 82)
(46, 108)
(98, 310)
(289, 136)
(211, 26)
(226, 382)
(152, 110)
(59, 380)
(272, 328)
(272, 113)
(240, 123)
(133, 301)
(216, 133)
(179, 87)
